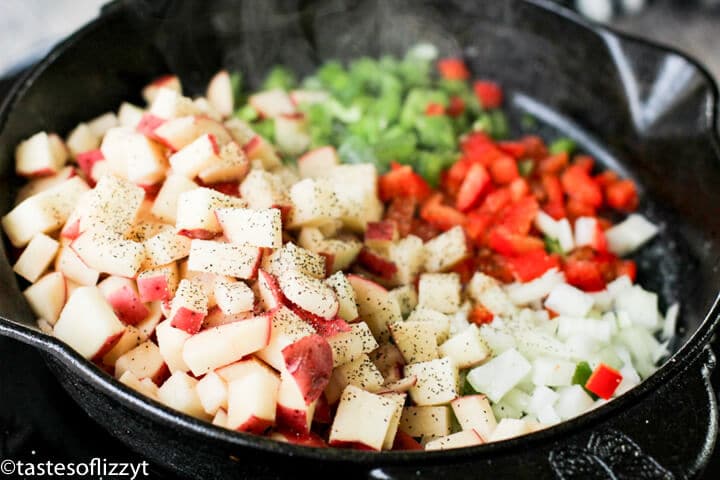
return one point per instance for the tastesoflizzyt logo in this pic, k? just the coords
(98, 468)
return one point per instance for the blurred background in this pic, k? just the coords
(28, 28)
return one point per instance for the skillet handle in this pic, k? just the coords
(669, 434)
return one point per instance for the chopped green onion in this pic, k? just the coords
(280, 77)
(500, 127)
(247, 113)
(552, 245)
(435, 132)
(526, 166)
(561, 145)
(528, 122)
(265, 128)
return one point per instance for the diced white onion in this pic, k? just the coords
(572, 401)
(565, 235)
(498, 376)
(670, 323)
(567, 300)
(640, 305)
(631, 233)
(537, 289)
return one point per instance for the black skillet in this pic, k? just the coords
(648, 111)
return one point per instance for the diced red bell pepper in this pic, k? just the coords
(479, 315)
(606, 178)
(477, 225)
(456, 174)
(576, 208)
(401, 181)
(456, 107)
(434, 109)
(622, 195)
(586, 162)
(519, 188)
(473, 187)
(534, 147)
(439, 215)
(502, 240)
(579, 185)
(518, 217)
(584, 274)
(376, 264)
(553, 188)
(554, 164)
(402, 210)
(626, 267)
(453, 69)
(477, 147)
(489, 93)
(532, 265)
(604, 381)
(504, 169)
(495, 201)
(514, 149)
(555, 210)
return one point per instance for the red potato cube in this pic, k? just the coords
(309, 361)
(107, 253)
(272, 103)
(41, 184)
(88, 324)
(426, 422)
(144, 361)
(259, 228)
(347, 306)
(220, 93)
(362, 419)
(47, 296)
(165, 204)
(263, 189)
(37, 156)
(269, 291)
(212, 391)
(166, 81)
(291, 136)
(293, 412)
(465, 438)
(234, 260)
(189, 307)
(316, 163)
(234, 297)
(193, 158)
(310, 294)
(158, 283)
(474, 412)
(225, 344)
(252, 402)
(169, 103)
(349, 346)
(112, 206)
(82, 139)
(180, 393)
(44, 212)
(232, 166)
(375, 306)
(171, 341)
(123, 296)
(130, 339)
(286, 328)
(165, 247)
(195, 215)
(36, 257)
(379, 235)
(361, 372)
(73, 268)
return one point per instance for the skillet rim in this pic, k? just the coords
(153, 410)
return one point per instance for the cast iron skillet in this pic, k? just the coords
(640, 108)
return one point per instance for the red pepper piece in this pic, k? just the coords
(584, 274)
(518, 217)
(401, 181)
(579, 185)
(502, 240)
(434, 109)
(489, 93)
(456, 107)
(453, 69)
(604, 381)
(554, 164)
(514, 149)
(622, 195)
(504, 169)
(439, 215)
(479, 315)
(473, 187)
(532, 265)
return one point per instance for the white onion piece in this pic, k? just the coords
(631, 233)
(567, 300)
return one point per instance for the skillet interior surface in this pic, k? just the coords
(645, 111)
